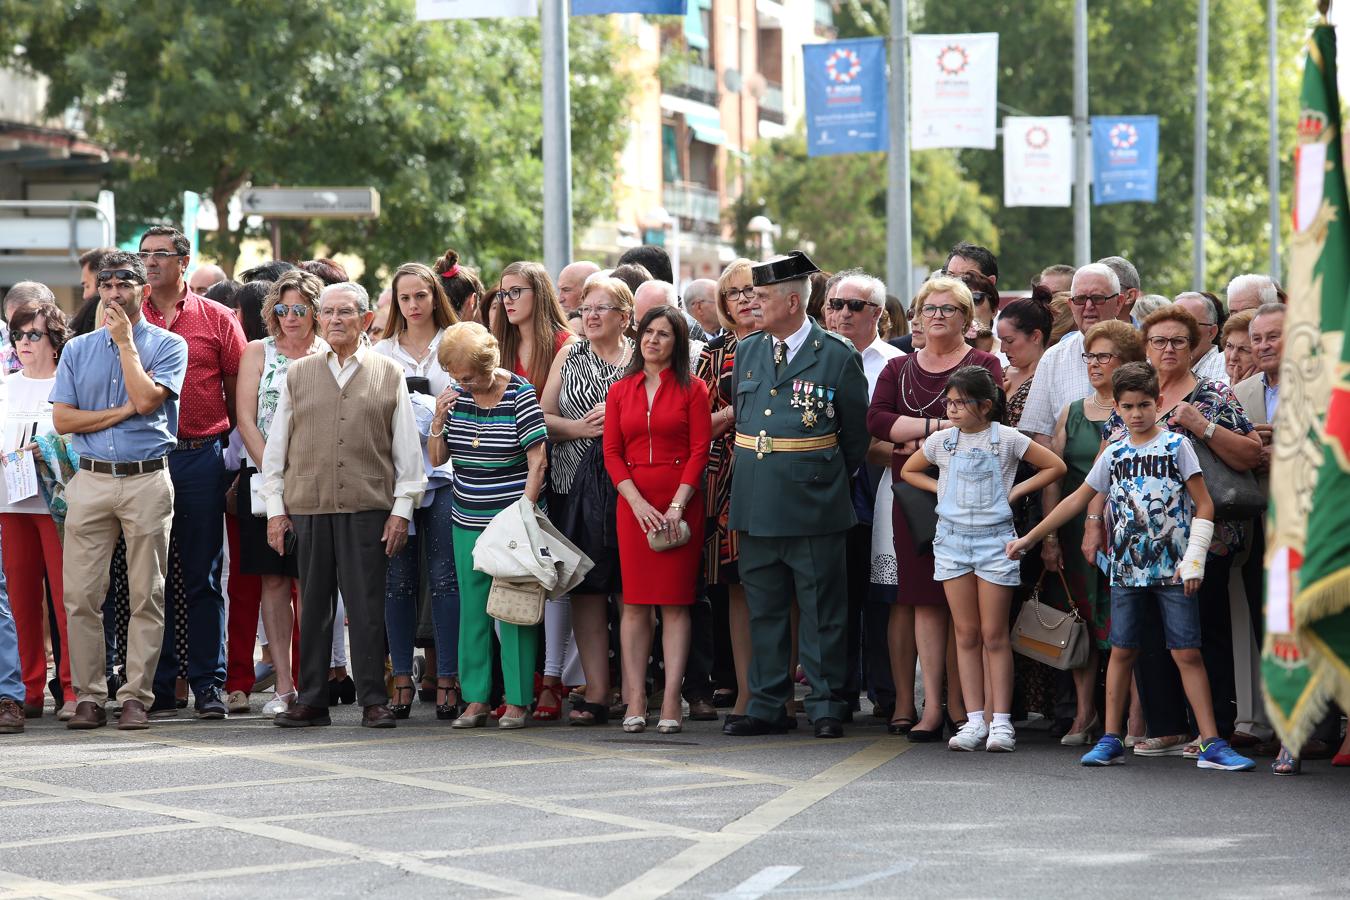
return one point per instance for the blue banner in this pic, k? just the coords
(647, 7)
(1124, 159)
(845, 97)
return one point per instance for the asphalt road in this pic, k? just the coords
(240, 808)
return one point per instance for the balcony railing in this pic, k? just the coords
(692, 201)
(694, 82)
(771, 103)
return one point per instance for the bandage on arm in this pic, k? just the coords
(1193, 563)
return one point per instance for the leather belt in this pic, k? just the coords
(198, 443)
(763, 443)
(123, 469)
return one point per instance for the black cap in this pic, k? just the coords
(793, 267)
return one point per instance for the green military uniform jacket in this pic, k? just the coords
(790, 494)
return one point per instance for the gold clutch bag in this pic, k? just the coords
(662, 539)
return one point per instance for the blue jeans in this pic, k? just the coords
(199, 482)
(434, 531)
(11, 679)
(1180, 615)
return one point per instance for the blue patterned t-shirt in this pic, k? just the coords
(1149, 506)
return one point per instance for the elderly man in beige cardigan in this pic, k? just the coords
(342, 475)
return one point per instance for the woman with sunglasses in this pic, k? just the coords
(1208, 413)
(985, 297)
(531, 330)
(419, 313)
(32, 544)
(290, 311)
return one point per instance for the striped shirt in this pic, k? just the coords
(487, 447)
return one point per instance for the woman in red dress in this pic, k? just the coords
(657, 433)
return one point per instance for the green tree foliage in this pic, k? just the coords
(443, 118)
(1141, 61)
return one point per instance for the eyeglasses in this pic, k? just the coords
(1162, 343)
(958, 403)
(1094, 299)
(853, 305)
(1100, 359)
(740, 295)
(31, 337)
(1232, 349)
(121, 274)
(299, 310)
(160, 255)
(514, 294)
(345, 312)
(596, 310)
(944, 311)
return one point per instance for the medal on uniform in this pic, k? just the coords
(820, 396)
(796, 391)
(809, 416)
(829, 403)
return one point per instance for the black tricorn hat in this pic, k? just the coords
(793, 267)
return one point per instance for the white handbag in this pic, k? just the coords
(257, 504)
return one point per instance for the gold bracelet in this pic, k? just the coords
(675, 506)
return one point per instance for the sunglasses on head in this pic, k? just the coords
(120, 274)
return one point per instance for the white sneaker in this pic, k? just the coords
(970, 737)
(1002, 739)
(278, 704)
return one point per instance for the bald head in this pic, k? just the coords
(571, 280)
(205, 276)
(651, 294)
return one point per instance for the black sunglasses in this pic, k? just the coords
(31, 337)
(120, 274)
(853, 305)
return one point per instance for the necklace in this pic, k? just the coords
(913, 392)
(1097, 404)
(478, 419)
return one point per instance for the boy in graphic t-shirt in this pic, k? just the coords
(1162, 523)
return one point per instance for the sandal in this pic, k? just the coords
(635, 724)
(402, 710)
(584, 713)
(1286, 764)
(444, 708)
(902, 725)
(1168, 745)
(545, 711)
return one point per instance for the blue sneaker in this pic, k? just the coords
(1218, 755)
(1108, 752)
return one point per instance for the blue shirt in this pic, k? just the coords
(1272, 394)
(89, 377)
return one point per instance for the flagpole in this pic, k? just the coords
(1201, 145)
(899, 228)
(1082, 212)
(1273, 164)
(557, 139)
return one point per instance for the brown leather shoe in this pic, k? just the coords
(377, 716)
(88, 714)
(702, 711)
(11, 717)
(134, 716)
(302, 716)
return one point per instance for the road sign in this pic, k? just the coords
(311, 202)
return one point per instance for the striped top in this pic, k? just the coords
(585, 382)
(491, 476)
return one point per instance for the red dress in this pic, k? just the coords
(659, 450)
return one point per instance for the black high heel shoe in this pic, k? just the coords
(444, 708)
(924, 736)
(402, 710)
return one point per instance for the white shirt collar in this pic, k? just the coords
(882, 349)
(798, 337)
(359, 357)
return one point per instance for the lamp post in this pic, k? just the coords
(766, 230)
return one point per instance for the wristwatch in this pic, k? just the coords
(1209, 432)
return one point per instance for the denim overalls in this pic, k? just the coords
(975, 521)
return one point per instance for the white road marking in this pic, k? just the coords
(760, 883)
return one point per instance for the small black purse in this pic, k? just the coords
(919, 507)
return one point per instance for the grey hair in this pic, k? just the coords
(1147, 305)
(1101, 270)
(1126, 273)
(704, 288)
(666, 288)
(801, 286)
(1210, 312)
(874, 287)
(1273, 308)
(1264, 286)
(29, 292)
(350, 287)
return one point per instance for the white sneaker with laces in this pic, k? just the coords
(1002, 739)
(971, 736)
(278, 704)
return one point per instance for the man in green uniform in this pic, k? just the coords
(801, 405)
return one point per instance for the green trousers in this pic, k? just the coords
(519, 642)
(773, 570)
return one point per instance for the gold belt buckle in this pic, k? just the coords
(763, 443)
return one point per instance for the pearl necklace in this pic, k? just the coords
(1097, 404)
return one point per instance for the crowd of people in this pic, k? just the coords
(780, 476)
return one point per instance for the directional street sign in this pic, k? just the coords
(311, 202)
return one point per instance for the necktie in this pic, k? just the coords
(779, 354)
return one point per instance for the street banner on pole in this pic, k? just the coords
(845, 96)
(954, 85)
(645, 7)
(1124, 159)
(1037, 160)
(1305, 664)
(475, 9)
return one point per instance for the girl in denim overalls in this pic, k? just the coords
(977, 460)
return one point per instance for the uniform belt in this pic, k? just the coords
(764, 443)
(123, 469)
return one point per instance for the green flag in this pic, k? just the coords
(1304, 662)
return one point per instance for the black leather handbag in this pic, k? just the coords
(919, 507)
(1236, 495)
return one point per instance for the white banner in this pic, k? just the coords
(953, 90)
(1037, 160)
(476, 9)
